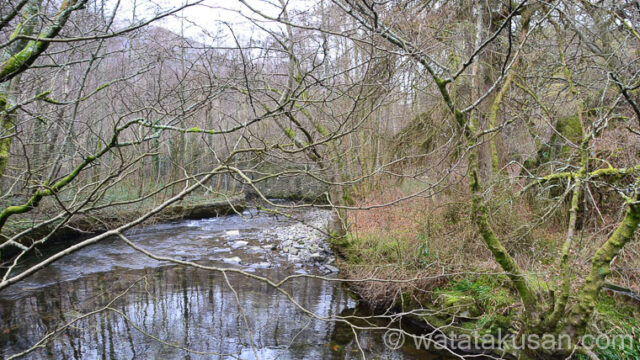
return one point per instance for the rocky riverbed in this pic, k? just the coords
(299, 242)
(305, 241)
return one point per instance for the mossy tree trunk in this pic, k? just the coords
(19, 56)
(9, 87)
(601, 268)
(494, 108)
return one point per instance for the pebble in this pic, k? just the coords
(301, 243)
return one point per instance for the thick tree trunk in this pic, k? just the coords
(601, 268)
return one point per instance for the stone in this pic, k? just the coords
(232, 260)
(239, 244)
(317, 257)
(331, 268)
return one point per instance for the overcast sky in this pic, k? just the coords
(204, 21)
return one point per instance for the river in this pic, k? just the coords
(158, 310)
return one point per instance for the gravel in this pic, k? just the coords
(304, 242)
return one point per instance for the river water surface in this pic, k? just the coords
(159, 310)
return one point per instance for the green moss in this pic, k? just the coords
(614, 317)
(570, 128)
(290, 133)
(566, 128)
(492, 298)
(617, 312)
(458, 304)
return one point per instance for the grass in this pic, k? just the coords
(620, 321)
(496, 302)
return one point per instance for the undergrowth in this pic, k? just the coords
(434, 241)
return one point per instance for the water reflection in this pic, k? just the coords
(180, 306)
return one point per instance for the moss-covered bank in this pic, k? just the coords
(484, 306)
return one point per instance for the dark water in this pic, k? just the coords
(157, 310)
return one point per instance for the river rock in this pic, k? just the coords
(331, 268)
(232, 260)
(317, 257)
(303, 240)
(239, 244)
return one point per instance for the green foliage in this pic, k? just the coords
(424, 255)
(570, 128)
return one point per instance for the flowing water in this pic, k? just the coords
(148, 309)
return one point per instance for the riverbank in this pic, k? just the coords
(475, 311)
(448, 280)
(81, 226)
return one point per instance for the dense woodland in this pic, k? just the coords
(450, 138)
